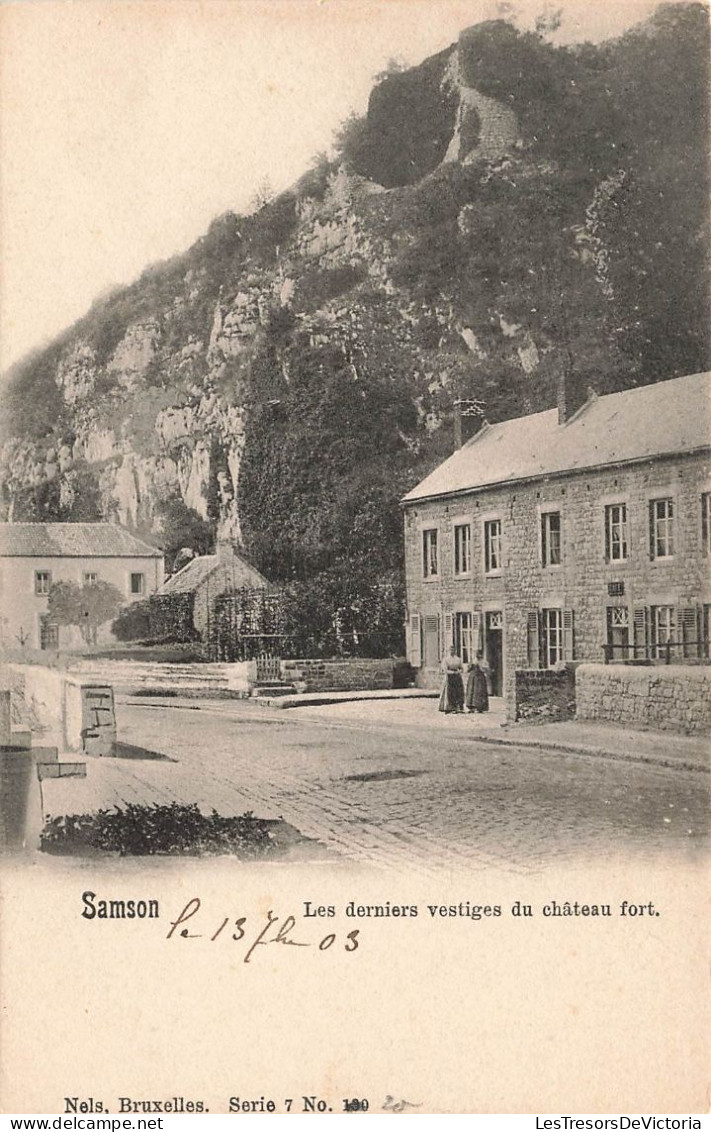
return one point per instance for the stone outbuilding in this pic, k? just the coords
(208, 577)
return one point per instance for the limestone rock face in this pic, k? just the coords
(417, 267)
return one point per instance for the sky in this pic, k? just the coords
(126, 127)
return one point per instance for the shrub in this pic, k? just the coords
(140, 830)
(133, 623)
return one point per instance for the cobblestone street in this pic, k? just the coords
(398, 794)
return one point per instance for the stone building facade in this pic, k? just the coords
(33, 556)
(546, 538)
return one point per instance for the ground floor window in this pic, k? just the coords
(662, 625)
(551, 637)
(464, 637)
(49, 633)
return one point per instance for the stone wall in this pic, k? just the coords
(544, 695)
(667, 697)
(70, 713)
(338, 675)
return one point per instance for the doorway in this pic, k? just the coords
(494, 650)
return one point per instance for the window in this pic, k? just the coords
(616, 532)
(706, 522)
(492, 546)
(91, 579)
(551, 637)
(138, 583)
(662, 628)
(462, 548)
(430, 567)
(43, 580)
(661, 528)
(551, 550)
(464, 637)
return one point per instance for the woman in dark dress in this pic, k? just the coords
(452, 698)
(477, 697)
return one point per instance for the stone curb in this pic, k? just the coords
(593, 752)
(322, 699)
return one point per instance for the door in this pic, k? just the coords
(430, 640)
(49, 633)
(618, 632)
(494, 650)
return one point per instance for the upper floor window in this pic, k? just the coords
(706, 522)
(90, 578)
(492, 545)
(616, 532)
(138, 583)
(462, 548)
(661, 528)
(551, 542)
(430, 561)
(43, 580)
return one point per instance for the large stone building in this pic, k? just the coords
(33, 556)
(545, 538)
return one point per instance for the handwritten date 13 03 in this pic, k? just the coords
(273, 930)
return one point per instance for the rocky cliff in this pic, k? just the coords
(505, 212)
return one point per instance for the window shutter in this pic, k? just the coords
(448, 634)
(415, 641)
(641, 630)
(533, 641)
(652, 528)
(568, 639)
(476, 632)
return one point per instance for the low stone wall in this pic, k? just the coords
(71, 714)
(671, 697)
(339, 675)
(544, 695)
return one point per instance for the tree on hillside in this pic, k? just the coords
(87, 607)
(183, 528)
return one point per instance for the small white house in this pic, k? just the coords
(35, 555)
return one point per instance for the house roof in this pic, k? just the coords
(197, 570)
(71, 540)
(191, 575)
(651, 420)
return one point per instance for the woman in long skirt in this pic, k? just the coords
(477, 697)
(452, 698)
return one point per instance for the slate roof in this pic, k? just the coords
(651, 420)
(71, 540)
(197, 570)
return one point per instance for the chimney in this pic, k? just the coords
(572, 395)
(224, 551)
(468, 420)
